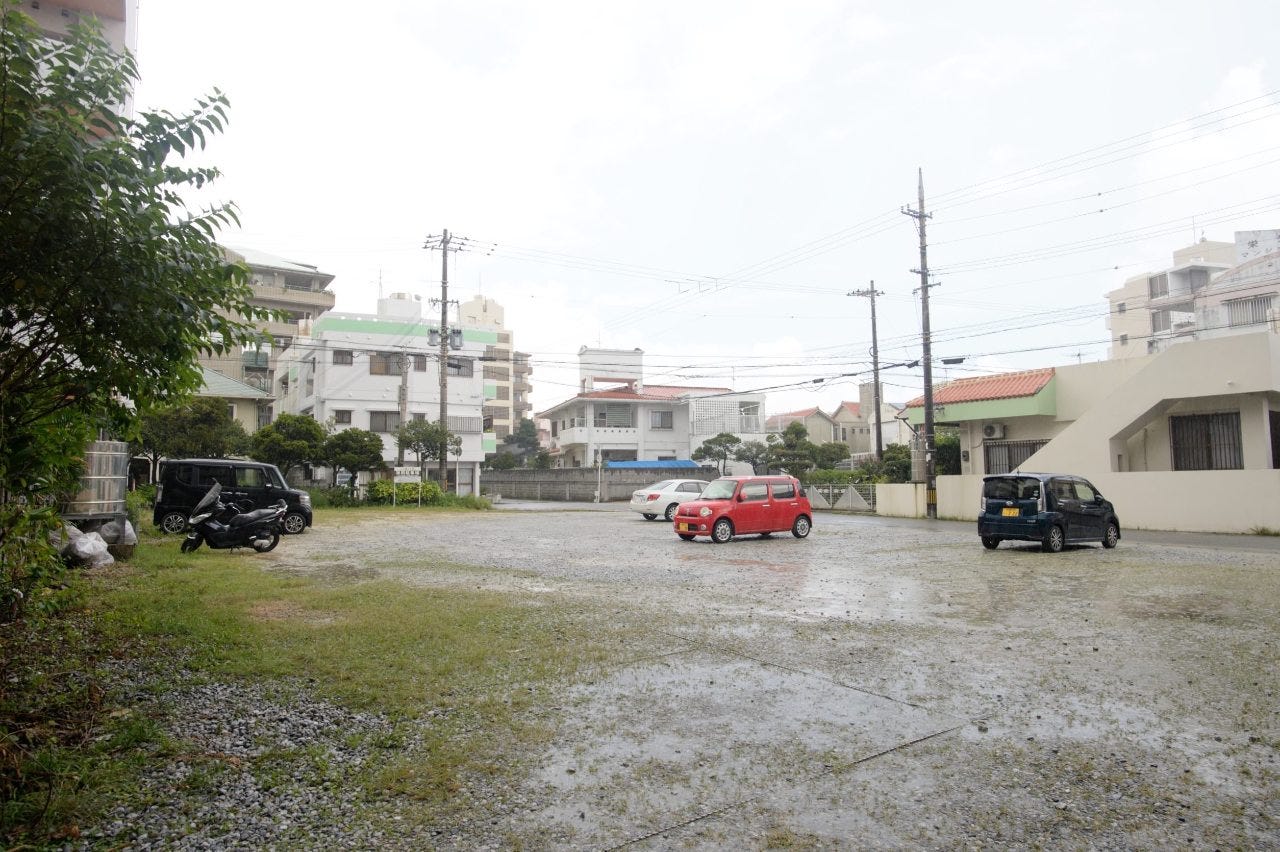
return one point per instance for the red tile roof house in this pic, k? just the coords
(1200, 420)
(635, 421)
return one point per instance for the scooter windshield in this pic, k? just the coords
(208, 500)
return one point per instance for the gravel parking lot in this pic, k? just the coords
(884, 683)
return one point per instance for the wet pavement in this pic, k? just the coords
(883, 683)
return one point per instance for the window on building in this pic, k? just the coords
(311, 386)
(418, 415)
(342, 417)
(1120, 307)
(1206, 441)
(503, 392)
(231, 412)
(463, 367)
(1158, 285)
(384, 421)
(661, 420)
(1124, 340)
(1250, 311)
(419, 363)
(1199, 279)
(384, 364)
(343, 356)
(1160, 321)
(1006, 456)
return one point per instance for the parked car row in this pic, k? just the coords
(1055, 509)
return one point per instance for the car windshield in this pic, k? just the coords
(1011, 488)
(720, 489)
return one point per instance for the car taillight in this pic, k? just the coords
(654, 496)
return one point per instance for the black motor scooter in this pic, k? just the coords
(222, 526)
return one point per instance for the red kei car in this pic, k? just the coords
(740, 505)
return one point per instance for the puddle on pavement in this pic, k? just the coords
(654, 745)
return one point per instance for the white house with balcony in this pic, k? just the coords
(375, 371)
(617, 417)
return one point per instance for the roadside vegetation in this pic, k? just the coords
(75, 738)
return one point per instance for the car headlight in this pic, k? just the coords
(705, 511)
(305, 499)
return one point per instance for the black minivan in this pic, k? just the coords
(252, 485)
(1052, 508)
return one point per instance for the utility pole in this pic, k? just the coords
(445, 244)
(404, 401)
(871, 294)
(930, 475)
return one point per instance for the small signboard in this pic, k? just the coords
(407, 474)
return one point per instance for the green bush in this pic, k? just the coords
(380, 492)
(29, 562)
(139, 503)
(831, 477)
(337, 497)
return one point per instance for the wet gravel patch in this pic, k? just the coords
(1101, 699)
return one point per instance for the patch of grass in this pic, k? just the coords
(461, 675)
(1263, 531)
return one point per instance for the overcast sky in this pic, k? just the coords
(707, 181)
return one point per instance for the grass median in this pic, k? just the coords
(484, 667)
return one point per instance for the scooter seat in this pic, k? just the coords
(250, 517)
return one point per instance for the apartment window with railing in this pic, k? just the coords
(419, 363)
(493, 353)
(1250, 311)
(498, 374)
(343, 356)
(342, 417)
(1206, 441)
(463, 367)
(1006, 456)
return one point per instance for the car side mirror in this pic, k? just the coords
(741, 497)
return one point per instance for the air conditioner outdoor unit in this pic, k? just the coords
(993, 430)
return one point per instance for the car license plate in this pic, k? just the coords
(1010, 512)
(683, 527)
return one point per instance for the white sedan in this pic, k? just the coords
(662, 498)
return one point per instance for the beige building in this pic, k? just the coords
(506, 372)
(297, 290)
(822, 427)
(1213, 289)
(1185, 439)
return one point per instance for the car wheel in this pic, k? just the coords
(173, 523)
(722, 531)
(648, 516)
(801, 527)
(685, 536)
(294, 523)
(1053, 540)
(671, 511)
(1112, 536)
(990, 542)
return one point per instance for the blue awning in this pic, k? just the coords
(665, 464)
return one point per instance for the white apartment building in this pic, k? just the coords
(347, 368)
(1213, 289)
(118, 19)
(617, 417)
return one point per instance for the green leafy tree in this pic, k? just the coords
(110, 287)
(719, 449)
(353, 449)
(503, 461)
(827, 456)
(201, 428)
(427, 440)
(946, 446)
(291, 441)
(541, 461)
(755, 453)
(525, 435)
(895, 466)
(794, 451)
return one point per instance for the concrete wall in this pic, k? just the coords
(580, 484)
(901, 501)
